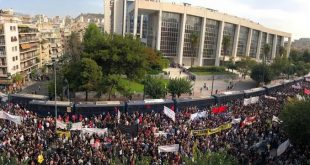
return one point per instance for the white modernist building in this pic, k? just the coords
(192, 35)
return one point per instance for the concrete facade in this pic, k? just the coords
(169, 25)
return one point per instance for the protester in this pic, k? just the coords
(252, 139)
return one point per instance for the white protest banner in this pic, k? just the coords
(13, 118)
(282, 147)
(296, 86)
(2, 116)
(270, 97)
(254, 100)
(308, 79)
(76, 126)
(168, 148)
(251, 100)
(160, 133)
(170, 113)
(236, 121)
(246, 102)
(118, 116)
(198, 115)
(97, 131)
(61, 125)
(276, 119)
(300, 97)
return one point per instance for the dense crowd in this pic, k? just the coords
(251, 144)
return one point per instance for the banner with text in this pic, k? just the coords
(168, 148)
(211, 131)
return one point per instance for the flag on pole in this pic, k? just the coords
(282, 147)
(169, 113)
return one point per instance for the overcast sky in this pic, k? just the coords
(286, 15)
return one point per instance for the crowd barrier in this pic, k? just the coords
(43, 107)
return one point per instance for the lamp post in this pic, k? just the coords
(212, 83)
(55, 103)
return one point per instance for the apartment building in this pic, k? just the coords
(29, 45)
(51, 39)
(9, 52)
(19, 47)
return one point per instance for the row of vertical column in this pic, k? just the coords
(179, 58)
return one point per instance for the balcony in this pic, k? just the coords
(27, 31)
(28, 50)
(1, 32)
(28, 58)
(2, 43)
(2, 64)
(28, 40)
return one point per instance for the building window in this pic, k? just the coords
(13, 58)
(170, 32)
(254, 43)
(16, 66)
(192, 36)
(15, 48)
(211, 38)
(229, 31)
(243, 39)
(16, 57)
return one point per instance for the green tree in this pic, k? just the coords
(226, 45)
(59, 85)
(231, 64)
(261, 73)
(266, 51)
(280, 65)
(212, 158)
(296, 118)
(179, 86)
(154, 87)
(282, 51)
(155, 61)
(92, 39)
(90, 75)
(17, 78)
(75, 46)
(194, 40)
(245, 65)
(121, 55)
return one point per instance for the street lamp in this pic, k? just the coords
(55, 103)
(212, 83)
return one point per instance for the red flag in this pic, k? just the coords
(307, 91)
(215, 110)
(248, 121)
(222, 109)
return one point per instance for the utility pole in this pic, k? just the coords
(212, 84)
(55, 97)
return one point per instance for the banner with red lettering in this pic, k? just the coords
(248, 121)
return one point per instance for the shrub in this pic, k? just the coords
(207, 69)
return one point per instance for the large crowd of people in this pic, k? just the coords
(255, 143)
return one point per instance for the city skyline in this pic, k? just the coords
(286, 16)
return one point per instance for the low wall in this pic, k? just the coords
(44, 107)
